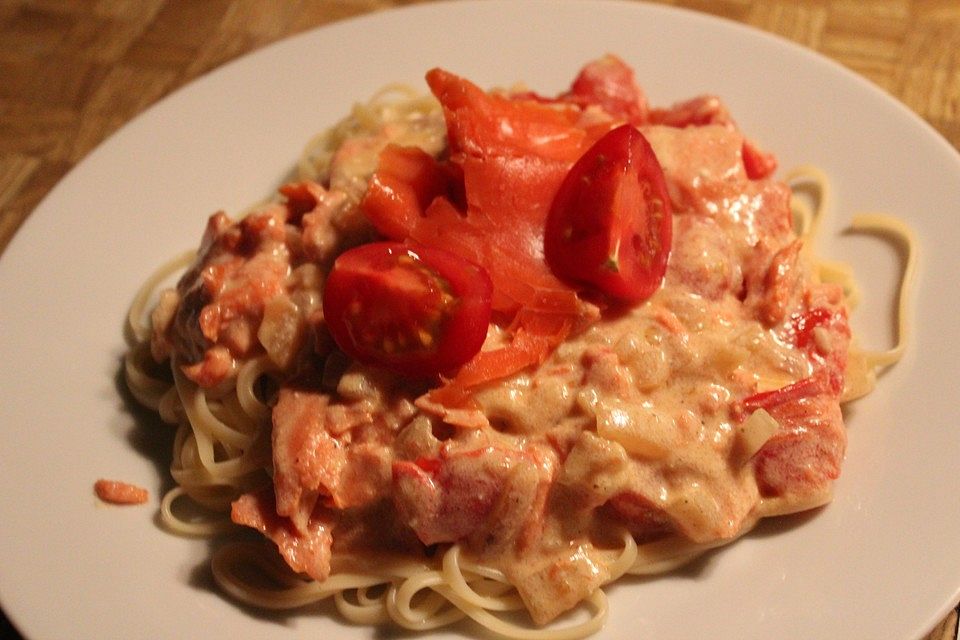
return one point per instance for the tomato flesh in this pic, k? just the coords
(418, 311)
(610, 83)
(610, 224)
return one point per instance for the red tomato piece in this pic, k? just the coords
(757, 163)
(610, 225)
(767, 400)
(806, 454)
(407, 181)
(485, 494)
(610, 83)
(607, 82)
(419, 311)
(803, 324)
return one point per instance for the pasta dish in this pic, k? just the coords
(493, 350)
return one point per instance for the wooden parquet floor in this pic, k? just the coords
(73, 71)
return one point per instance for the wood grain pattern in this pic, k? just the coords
(73, 71)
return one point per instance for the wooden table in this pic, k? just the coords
(73, 71)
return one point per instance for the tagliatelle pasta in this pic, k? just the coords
(588, 439)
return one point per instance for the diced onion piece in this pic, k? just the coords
(822, 338)
(282, 331)
(772, 382)
(555, 586)
(640, 431)
(726, 357)
(594, 470)
(751, 435)
(860, 377)
(698, 514)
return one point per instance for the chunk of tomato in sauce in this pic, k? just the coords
(607, 82)
(406, 182)
(415, 310)
(610, 224)
(610, 83)
(758, 164)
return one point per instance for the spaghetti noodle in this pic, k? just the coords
(640, 442)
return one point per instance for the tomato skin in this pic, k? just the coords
(610, 83)
(610, 223)
(606, 82)
(418, 311)
(406, 182)
(757, 163)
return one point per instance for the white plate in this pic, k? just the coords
(882, 562)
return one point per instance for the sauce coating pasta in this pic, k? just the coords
(586, 440)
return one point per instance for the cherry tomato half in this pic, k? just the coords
(610, 224)
(415, 310)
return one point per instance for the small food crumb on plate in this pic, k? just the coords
(117, 492)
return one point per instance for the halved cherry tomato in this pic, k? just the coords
(416, 310)
(610, 224)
